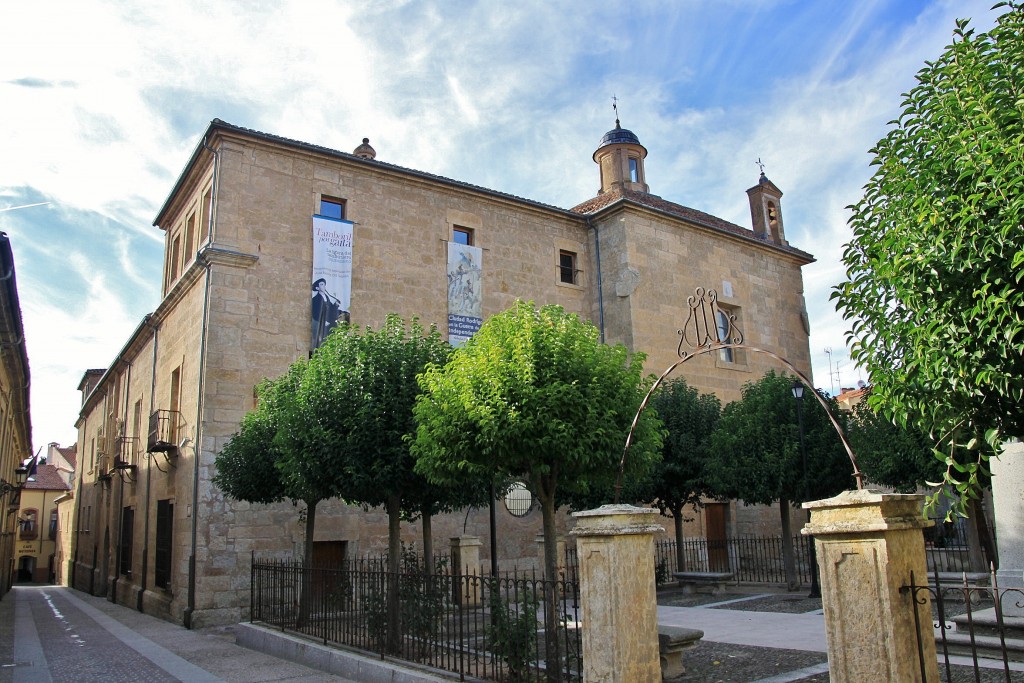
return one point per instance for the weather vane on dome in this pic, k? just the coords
(615, 106)
(760, 165)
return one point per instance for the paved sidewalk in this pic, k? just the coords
(761, 629)
(52, 634)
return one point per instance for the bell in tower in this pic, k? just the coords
(766, 210)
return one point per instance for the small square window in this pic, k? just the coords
(462, 235)
(332, 208)
(567, 270)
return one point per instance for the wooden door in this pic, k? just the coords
(718, 545)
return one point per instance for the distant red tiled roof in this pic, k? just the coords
(653, 201)
(70, 454)
(46, 477)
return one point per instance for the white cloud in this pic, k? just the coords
(105, 100)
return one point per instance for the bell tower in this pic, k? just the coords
(766, 210)
(621, 159)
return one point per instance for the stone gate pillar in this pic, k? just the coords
(618, 606)
(868, 543)
(466, 564)
(1008, 504)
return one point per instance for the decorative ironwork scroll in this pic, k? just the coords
(709, 328)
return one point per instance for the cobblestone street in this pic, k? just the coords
(53, 634)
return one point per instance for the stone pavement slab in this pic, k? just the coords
(65, 635)
(761, 629)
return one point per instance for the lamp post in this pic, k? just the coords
(798, 394)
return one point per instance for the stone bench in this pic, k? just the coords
(672, 642)
(703, 582)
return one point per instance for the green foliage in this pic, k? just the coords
(249, 465)
(359, 390)
(534, 395)
(755, 451)
(935, 267)
(512, 633)
(690, 418)
(890, 454)
(423, 597)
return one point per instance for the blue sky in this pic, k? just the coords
(104, 101)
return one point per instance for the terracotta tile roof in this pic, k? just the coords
(70, 454)
(46, 477)
(606, 199)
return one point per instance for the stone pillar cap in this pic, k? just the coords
(865, 511)
(615, 519)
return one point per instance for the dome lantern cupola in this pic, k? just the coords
(621, 159)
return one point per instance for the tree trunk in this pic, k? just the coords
(428, 544)
(394, 626)
(306, 585)
(788, 556)
(980, 548)
(551, 621)
(677, 518)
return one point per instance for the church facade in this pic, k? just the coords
(239, 276)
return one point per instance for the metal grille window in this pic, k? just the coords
(164, 532)
(567, 270)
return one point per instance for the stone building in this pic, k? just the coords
(154, 533)
(15, 423)
(36, 549)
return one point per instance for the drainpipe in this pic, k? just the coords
(197, 445)
(117, 517)
(149, 466)
(600, 288)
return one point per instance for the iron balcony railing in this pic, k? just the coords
(164, 431)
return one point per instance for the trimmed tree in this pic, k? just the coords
(276, 454)
(359, 389)
(935, 267)
(755, 454)
(535, 396)
(690, 418)
(256, 465)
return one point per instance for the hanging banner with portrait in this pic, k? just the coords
(332, 276)
(464, 293)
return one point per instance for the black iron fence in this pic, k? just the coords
(484, 627)
(752, 559)
(969, 620)
(759, 559)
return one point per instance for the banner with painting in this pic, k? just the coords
(332, 276)
(464, 294)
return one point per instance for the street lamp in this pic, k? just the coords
(798, 394)
(20, 477)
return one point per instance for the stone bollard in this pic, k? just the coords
(1008, 506)
(868, 543)
(466, 564)
(618, 606)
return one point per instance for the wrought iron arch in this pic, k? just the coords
(701, 335)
